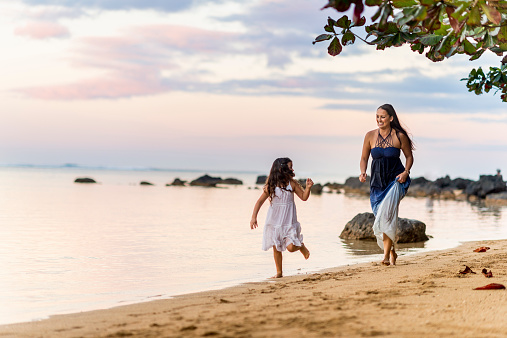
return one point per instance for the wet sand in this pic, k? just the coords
(422, 296)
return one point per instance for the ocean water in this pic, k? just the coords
(69, 247)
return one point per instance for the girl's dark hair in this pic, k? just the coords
(279, 176)
(396, 123)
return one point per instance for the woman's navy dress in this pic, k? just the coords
(385, 190)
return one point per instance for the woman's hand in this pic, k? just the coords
(402, 178)
(253, 223)
(362, 177)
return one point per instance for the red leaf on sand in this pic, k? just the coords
(486, 273)
(467, 270)
(492, 286)
(482, 249)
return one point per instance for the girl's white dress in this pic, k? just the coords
(282, 226)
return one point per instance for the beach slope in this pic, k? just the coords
(422, 296)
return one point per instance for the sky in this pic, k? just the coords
(225, 85)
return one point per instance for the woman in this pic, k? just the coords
(389, 179)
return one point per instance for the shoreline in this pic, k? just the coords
(364, 299)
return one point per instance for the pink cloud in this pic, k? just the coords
(133, 62)
(108, 88)
(42, 30)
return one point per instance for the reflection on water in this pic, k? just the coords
(362, 248)
(70, 247)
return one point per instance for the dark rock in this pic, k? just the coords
(443, 182)
(177, 182)
(353, 185)
(487, 184)
(460, 183)
(419, 180)
(146, 183)
(334, 186)
(315, 189)
(427, 189)
(361, 227)
(499, 198)
(233, 181)
(84, 180)
(206, 181)
(261, 179)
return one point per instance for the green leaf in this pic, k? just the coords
(335, 47)
(373, 2)
(477, 55)
(343, 22)
(360, 22)
(348, 38)
(404, 3)
(322, 37)
(503, 46)
(428, 2)
(491, 12)
(502, 34)
(469, 48)
(431, 40)
(329, 28)
(474, 18)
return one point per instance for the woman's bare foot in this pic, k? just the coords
(386, 263)
(278, 275)
(304, 251)
(393, 257)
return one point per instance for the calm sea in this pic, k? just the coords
(69, 247)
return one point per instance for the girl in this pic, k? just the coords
(282, 230)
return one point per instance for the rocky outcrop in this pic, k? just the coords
(231, 181)
(354, 186)
(497, 198)
(487, 184)
(261, 179)
(146, 183)
(316, 189)
(177, 182)
(84, 180)
(206, 181)
(361, 227)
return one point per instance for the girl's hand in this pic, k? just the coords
(362, 177)
(402, 178)
(253, 223)
(309, 182)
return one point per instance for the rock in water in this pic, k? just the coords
(206, 181)
(145, 183)
(177, 182)
(84, 180)
(487, 184)
(232, 181)
(261, 179)
(361, 227)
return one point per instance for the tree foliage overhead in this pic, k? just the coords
(438, 28)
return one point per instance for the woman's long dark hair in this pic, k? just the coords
(396, 123)
(279, 176)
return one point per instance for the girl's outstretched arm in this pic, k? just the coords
(257, 207)
(298, 189)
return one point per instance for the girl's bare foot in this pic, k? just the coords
(278, 275)
(385, 262)
(304, 251)
(393, 257)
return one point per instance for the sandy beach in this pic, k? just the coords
(423, 295)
